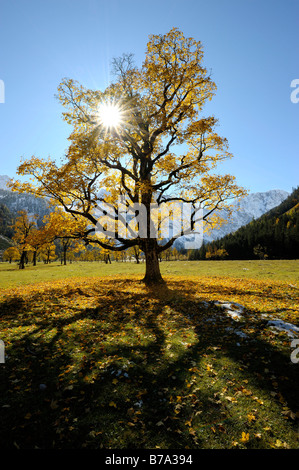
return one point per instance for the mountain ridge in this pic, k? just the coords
(248, 208)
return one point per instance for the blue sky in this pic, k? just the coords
(251, 48)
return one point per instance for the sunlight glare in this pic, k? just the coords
(109, 115)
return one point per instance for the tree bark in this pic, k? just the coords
(107, 259)
(152, 267)
(22, 260)
(136, 254)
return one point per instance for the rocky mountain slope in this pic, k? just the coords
(16, 202)
(245, 210)
(3, 181)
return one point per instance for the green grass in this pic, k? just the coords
(11, 276)
(107, 363)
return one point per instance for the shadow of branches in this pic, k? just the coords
(129, 371)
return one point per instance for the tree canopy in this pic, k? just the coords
(145, 139)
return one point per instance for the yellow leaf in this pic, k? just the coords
(250, 417)
(112, 404)
(245, 437)
(231, 399)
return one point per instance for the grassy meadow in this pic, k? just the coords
(11, 276)
(96, 360)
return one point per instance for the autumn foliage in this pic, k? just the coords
(161, 150)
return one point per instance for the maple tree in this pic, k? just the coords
(23, 227)
(154, 147)
(11, 254)
(38, 238)
(65, 228)
(48, 252)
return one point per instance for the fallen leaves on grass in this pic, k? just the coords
(114, 351)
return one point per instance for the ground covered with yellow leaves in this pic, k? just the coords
(203, 362)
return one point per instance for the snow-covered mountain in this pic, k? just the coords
(246, 209)
(250, 207)
(4, 179)
(16, 202)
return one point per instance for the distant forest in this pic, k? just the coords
(274, 235)
(6, 221)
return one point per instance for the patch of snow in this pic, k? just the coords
(233, 309)
(234, 315)
(139, 403)
(237, 332)
(291, 330)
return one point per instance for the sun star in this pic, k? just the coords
(109, 115)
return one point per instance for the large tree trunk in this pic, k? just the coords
(152, 267)
(149, 244)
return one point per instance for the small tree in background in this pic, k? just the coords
(216, 253)
(23, 227)
(11, 254)
(260, 251)
(66, 229)
(48, 252)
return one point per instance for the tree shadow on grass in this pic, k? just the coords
(125, 374)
